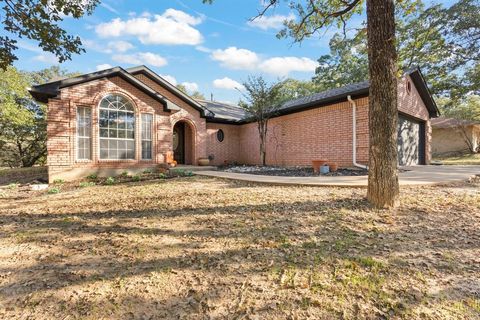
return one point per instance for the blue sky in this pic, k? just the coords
(211, 48)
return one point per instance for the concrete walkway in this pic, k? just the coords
(417, 175)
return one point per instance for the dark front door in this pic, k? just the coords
(179, 142)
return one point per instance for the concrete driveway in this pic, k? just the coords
(416, 175)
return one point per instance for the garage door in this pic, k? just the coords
(411, 142)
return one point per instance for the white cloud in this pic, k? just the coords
(173, 27)
(103, 66)
(227, 83)
(190, 86)
(120, 46)
(110, 47)
(234, 58)
(169, 78)
(203, 49)
(282, 66)
(141, 58)
(270, 22)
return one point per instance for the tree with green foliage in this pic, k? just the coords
(444, 42)
(262, 100)
(194, 94)
(23, 121)
(292, 89)
(39, 20)
(315, 15)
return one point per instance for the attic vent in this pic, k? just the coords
(220, 135)
(409, 87)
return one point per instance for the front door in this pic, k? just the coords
(179, 142)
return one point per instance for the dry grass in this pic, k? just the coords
(22, 175)
(198, 248)
(462, 159)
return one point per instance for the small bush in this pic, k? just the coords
(58, 181)
(162, 176)
(53, 190)
(85, 184)
(147, 171)
(136, 178)
(110, 181)
(189, 174)
(92, 176)
(124, 174)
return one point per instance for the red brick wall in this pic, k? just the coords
(325, 133)
(411, 104)
(229, 149)
(294, 139)
(298, 138)
(62, 127)
(189, 114)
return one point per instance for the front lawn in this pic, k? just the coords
(464, 159)
(200, 248)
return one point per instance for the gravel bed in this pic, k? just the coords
(291, 171)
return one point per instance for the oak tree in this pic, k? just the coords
(39, 20)
(315, 15)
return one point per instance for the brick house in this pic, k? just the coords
(120, 119)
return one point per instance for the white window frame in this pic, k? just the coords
(151, 136)
(77, 135)
(123, 139)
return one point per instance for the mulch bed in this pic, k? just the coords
(291, 171)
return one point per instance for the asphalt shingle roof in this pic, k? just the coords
(232, 113)
(224, 111)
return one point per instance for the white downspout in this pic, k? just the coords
(354, 129)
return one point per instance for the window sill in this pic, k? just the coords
(83, 161)
(118, 160)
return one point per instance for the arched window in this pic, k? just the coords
(117, 128)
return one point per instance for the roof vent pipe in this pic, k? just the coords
(354, 133)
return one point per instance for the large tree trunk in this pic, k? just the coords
(383, 189)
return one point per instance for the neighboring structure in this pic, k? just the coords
(451, 135)
(115, 120)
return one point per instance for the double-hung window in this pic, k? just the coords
(147, 121)
(84, 133)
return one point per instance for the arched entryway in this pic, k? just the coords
(183, 142)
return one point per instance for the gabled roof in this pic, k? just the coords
(422, 88)
(215, 111)
(164, 83)
(52, 89)
(442, 122)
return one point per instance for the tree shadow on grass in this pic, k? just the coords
(353, 251)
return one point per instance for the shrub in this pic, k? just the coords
(147, 171)
(92, 176)
(162, 176)
(58, 181)
(53, 190)
(110, 181)
(84, 184)
(124, 174)
(13, 186)
(136, 178)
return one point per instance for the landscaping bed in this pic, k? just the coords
(292, 171)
